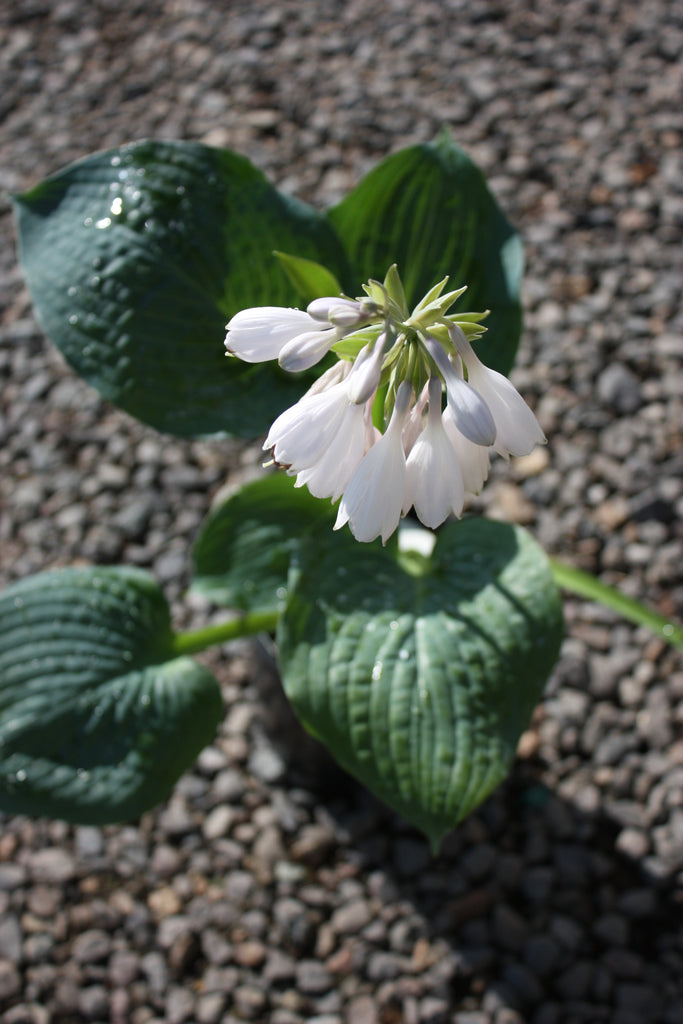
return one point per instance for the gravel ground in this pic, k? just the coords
(256, 894)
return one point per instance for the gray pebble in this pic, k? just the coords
(384, 966)
(575, 981)
(93, 1002)
(640, 1000)
(411, 857)
(26, 1013)
(11, 876)
(312, 977)
(39, 948)
(52, 865)
(124, 967)
(91, 946)
(250, 1001)
(433, 1010)
(10, 939)
(293, 919)
(620, 388)
(210, 1008)
(155, 970)
(612, 929)
(509, 929)
(10, 980)
(541, 954)
(179, 1005)
(279, 968)
(352, 917)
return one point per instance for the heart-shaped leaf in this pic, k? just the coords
(136, 258)
(242, 554)
(420, 675)
(98, 718)
(428, 209)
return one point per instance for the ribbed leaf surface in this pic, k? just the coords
(97, 718)
(136, 258)
(243, 552)
(428, 209)
(421, 684)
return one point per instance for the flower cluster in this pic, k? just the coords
(373, 430)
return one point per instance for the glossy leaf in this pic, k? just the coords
(98, 718)
(429, 210)
(243, 551)
(136, 258)
(419, 675)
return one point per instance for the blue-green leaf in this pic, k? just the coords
(98, 718)
(429, 210)
(243, 551)
(420, 675)
(136, 258)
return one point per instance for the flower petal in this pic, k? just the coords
(517, 429)
(434, 482)
(307, 349)
(367, 368)
(338, 311)
(473, 458)
(258, 334)
(301, 434)
(372, 502)
(328, 477)
(470, 411)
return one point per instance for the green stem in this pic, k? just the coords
(245, 625)
(585, 585)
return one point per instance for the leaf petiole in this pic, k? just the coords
(248, 624)
(585, 585)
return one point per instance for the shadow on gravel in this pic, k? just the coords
(530, 906)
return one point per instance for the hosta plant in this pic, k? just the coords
(369, 347)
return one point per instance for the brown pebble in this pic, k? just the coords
(250, 953)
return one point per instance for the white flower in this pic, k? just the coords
(414, 423)
(373, 499)
(301, 434)
(470, 410)
(473, 459)
(256, 335)
(307, 349)
(517, 429)
(323, 437)
(337, 311)
(330, 474)
(297, 339)
(331, 440)
(434, 482)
